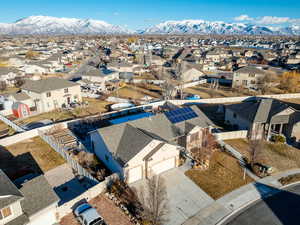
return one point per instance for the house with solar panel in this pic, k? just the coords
(151, 145)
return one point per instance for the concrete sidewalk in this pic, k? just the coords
(238, 199)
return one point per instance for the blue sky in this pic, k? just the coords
(140, 14)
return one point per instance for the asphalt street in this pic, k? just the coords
(280, 209)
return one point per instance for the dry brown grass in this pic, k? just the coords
(133, 92)
(57, 115)
(10, 90)
(223, 176)
(279, 156)
(33, 154)
(95, 106)
(206, 92)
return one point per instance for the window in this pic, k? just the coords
(66, 90)
(253, 82)
(251, 75)
(5, 212)
(234, 115)
(48, 94)
(106, 157)
(245, 82)
(194, 137)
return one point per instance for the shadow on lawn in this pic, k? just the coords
(18, 166)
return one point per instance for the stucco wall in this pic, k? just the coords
(16, 211)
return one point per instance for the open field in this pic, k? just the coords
(279, 156)
(33, 155)
(223, 176)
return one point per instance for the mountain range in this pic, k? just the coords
(46, 25)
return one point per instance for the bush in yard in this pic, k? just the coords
(278, 139)
(290, 179)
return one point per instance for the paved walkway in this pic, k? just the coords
(218, 211)
(185, 198)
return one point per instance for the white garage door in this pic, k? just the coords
(45, 219)
(163, 166)
(134, 174)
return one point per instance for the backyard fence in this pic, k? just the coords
(91, 193)
(11, 124)
(231, 135)
(64, 153)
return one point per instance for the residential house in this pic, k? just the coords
(191, 74)
(101, 75)
(32, 202)
(265, 118)
(52, 93)
(142, 148)
(121, 66)
(8, 75)
(248, 77)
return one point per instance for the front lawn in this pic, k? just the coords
(223, 176)
(279, 156)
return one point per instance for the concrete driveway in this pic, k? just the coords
(184, 197)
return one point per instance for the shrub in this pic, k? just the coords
(278, 139)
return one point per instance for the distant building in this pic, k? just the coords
(248, 77)
(52, 93)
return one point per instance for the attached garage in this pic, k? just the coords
(163, 166)
(134, 174)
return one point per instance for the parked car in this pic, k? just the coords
(87, 215)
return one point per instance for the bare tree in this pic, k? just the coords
(154, 200)
(19, 81)
(3, 86)
(204, 153)
(255, 152)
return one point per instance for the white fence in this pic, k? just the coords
(91, 193)
(11, 124)
(231, 135)
(29, 134)
(64, 153)
(26, 135)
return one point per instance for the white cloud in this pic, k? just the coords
(273, 20)
(243, 18)
(268, 20)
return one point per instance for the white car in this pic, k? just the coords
(87, 215)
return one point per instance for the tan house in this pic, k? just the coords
(265, 118)
(248, 77)
(52, 93)
(149, 146)
(34, 203)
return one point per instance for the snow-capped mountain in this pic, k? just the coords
(206, 27)
(46, 25)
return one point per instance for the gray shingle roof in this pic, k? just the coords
(50, 84)
(127, 139)
(38, 195)
(8, 189)
(20, 220)
(261, 111)
(132, 142)
(251, 69)
(20, 96)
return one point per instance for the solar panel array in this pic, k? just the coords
(181, 114)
